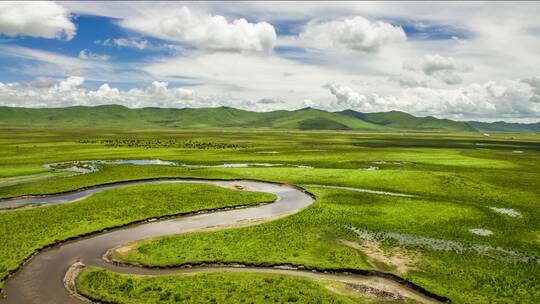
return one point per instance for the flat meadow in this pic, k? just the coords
(468, 230)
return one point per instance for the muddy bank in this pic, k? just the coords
(379, 284)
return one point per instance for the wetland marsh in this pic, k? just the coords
(443, 187)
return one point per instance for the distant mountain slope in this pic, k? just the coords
(501, 126)
(115, 116)
(122, 117)
(198, 118)
(78, 116)
(405, 121)
(313, 119)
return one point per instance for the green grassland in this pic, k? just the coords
(220, 287)
(25, 231)
(456, 179)
(313, 238)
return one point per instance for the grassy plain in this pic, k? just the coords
(314, 239)
(457, 178)
(220, 287)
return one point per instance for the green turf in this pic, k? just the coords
(218, 287)
(22, 232)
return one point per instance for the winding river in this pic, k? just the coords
(40, 280)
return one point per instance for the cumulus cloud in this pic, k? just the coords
(87, 55)
(210, 32)
(508, 98)
(45, 19)
(71, 83)
(444, 68)
(450, 78)
(308, 103)
(490, 100)
(431, 64)
(71, 91)
(357, 34)
(347, 98)
(534, 82)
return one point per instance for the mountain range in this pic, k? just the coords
(116, 116)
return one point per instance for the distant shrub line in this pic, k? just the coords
(160, 143)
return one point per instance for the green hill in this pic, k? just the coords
(121, 117)
(115, 116)
(78, 116)
(501, 126)
(404, 121)
(200, 118)
(313, 119)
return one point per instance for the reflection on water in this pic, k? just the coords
(89, 166)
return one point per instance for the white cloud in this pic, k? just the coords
(210, 32)
(142, 44)
(87, 55)
(357, 34)
(482, 29)
(510, 99)
(43, 82)
(136, 43)
(308, 103)
(71, 91)
(249, 76)
(348, 98)
(432, 64)
(45, 19)
(440, 67)
(408, 81)
(71, 83)
(448, 77)
(66, 62)
(534, 82)
(505, 99)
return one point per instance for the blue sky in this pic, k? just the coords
(456, 60)
(92, 32)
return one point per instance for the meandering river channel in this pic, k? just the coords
(40, 280)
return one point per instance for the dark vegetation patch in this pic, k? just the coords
(150, 143)
(475, 143)
(321, 124)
